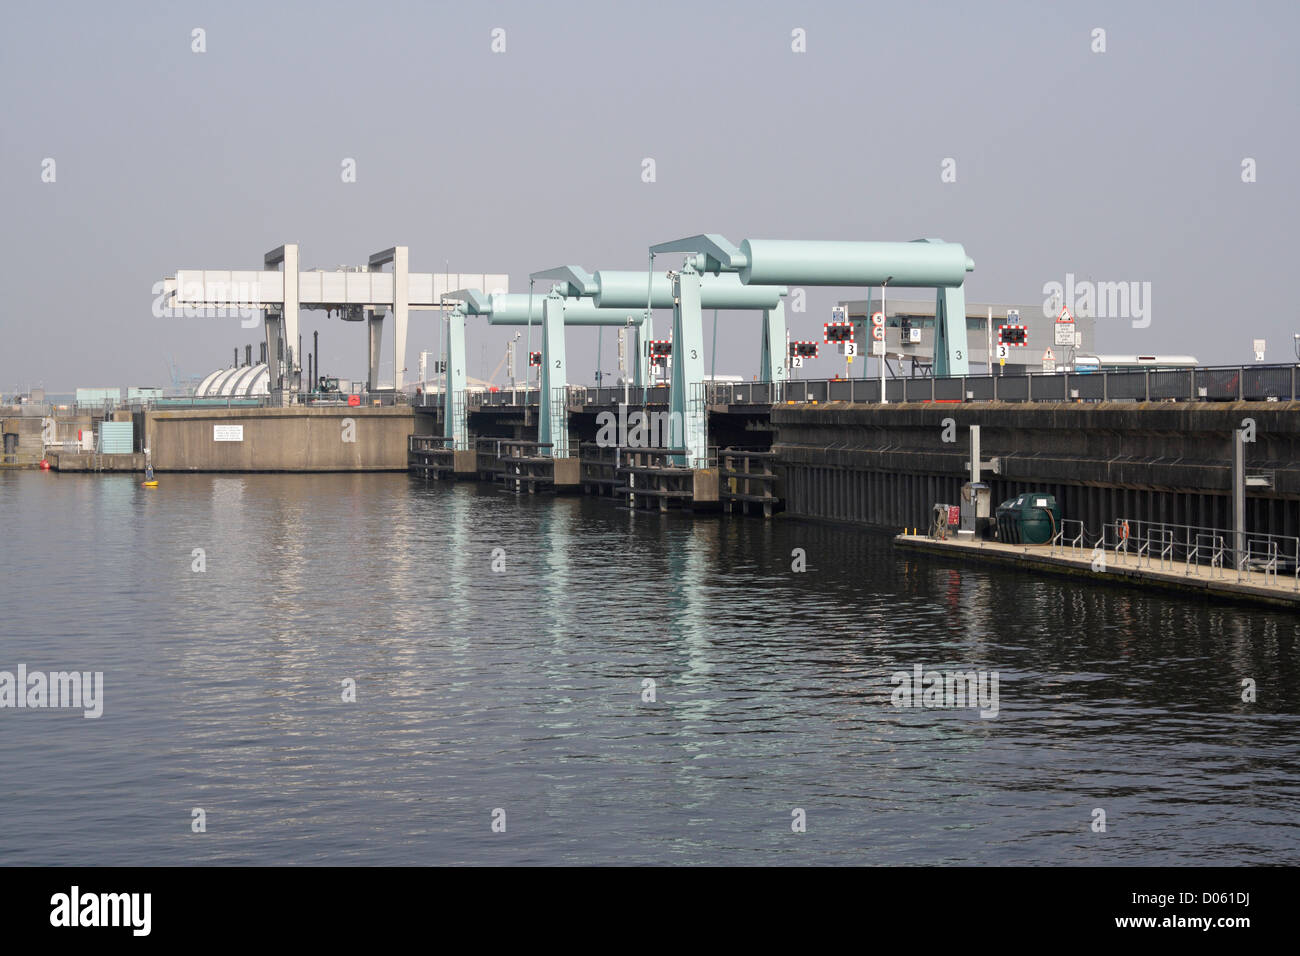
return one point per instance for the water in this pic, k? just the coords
(522, 690)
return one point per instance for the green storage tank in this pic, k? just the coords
(1031, 518)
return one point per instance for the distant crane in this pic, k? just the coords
(504, 358)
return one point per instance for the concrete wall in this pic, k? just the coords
(29, 430)
(885, 465)
(281, 439)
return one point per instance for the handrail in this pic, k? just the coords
(1202, 383)
(1203, 546)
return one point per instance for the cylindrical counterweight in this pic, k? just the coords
(511, 308)
(801, 262)
(627, 290)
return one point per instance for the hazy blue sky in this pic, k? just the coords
(1121, 166)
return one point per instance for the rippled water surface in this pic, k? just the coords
(522, 690)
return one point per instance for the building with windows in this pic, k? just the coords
(1025, 331)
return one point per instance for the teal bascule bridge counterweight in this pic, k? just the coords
(922, 263)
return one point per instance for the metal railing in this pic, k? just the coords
(364, 398)
(1070, 536)
(1210, 545)
(1164, 544)
(1250, 383)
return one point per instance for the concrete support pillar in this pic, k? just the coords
(293, 361)
(375, 321)
(401, 296)
(399, 257)
(283, 362)
(274, 382)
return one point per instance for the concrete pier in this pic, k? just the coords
(1256, 587)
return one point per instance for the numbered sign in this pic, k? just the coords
(1003, 352)
(877, 318)
(796, 361)
(850, 349)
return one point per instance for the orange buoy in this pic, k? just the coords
(45, 465)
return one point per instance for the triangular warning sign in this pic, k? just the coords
(1065, 315)
(1048, 356)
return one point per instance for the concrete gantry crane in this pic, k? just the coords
(922, 263)
(281, 290)
(648, 291)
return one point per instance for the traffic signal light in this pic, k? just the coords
(836, 332)
(1016, 335)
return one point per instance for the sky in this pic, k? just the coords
(1159, 152)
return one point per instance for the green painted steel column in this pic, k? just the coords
(951, 355)
(454, 382)
(640, 336)
(688, 371)
(552, 420)
(772, 365)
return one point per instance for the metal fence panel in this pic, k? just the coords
(1217, 383)
(1126, 385)
(1086, 387)
(1047, 388)
(948, 389)
(918, 389)
(1262, 384)
(1170, 384)
(1013, 388)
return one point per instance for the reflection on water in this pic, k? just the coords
(522, 689)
